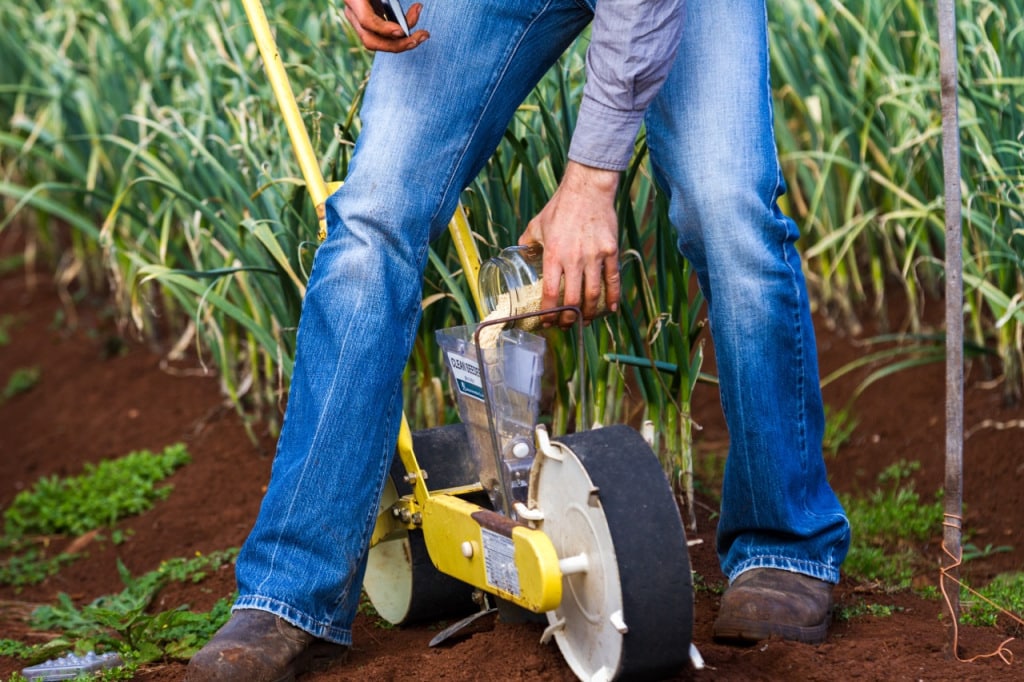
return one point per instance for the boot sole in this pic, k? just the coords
(738, 630)
(317, 657)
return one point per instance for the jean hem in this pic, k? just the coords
(297, 618)
(814, 569)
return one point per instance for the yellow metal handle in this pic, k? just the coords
(309, 165)
(278, 77)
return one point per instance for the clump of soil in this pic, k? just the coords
(102, 395)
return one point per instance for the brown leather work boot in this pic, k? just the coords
(257, 646)
(767, 602)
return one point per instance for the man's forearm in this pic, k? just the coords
(634, 43)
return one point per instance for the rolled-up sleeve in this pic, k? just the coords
(633, 45)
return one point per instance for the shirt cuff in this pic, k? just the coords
(604, 137)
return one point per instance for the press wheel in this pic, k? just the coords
(627, 611)
(401, 581)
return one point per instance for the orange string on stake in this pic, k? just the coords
(950, 572)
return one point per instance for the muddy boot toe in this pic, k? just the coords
(257, 646)
(764, 602)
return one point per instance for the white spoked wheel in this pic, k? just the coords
(627, 592)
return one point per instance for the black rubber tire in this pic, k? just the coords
(650, 546)
(445, 454)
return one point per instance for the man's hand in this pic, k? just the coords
(379, 34)
(580, 234)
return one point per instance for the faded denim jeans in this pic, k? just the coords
(431, 119)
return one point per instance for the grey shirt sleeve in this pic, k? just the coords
(633, 45)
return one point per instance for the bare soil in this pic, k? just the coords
(102, 395)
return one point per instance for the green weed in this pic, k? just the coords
(708, 476)
(6, 323)
(122, 622)
(839, 426)
(9, 264)
(971, 552)
(15, 649)
(700, 584)
(32, 566)
(847, 612)
(103, 494)
(888, 526)
(1006, 591)
(22, 380)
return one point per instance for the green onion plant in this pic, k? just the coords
(142, 148)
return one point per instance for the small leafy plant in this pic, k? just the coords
(972, 552)
(839, 426)
(104, 493)
(887, 525)
(1006, 591)
(122, 622)
(861, 608)
(6, 323)
(31, 566)
(98, 498)
(21, 381)
(11, 263)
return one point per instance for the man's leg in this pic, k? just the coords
(712, 142)
(430, 120)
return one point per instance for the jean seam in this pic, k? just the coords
(826, 571)
(307, 462)
(789, 256)
(295, 617)
(369, 522)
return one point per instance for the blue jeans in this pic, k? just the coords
(431, 119)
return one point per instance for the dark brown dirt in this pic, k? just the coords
(92, 403)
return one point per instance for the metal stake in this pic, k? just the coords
(952, 530)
